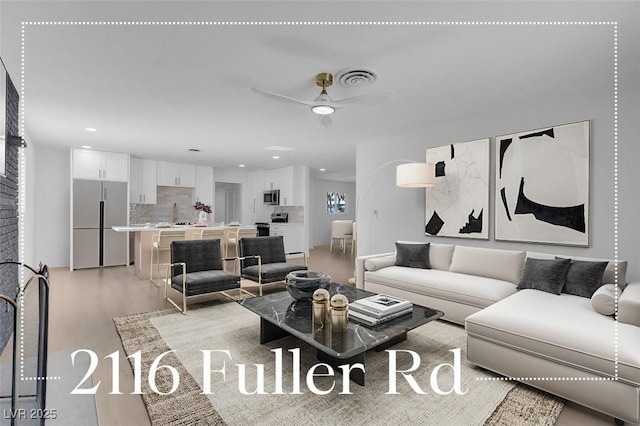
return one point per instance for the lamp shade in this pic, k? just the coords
(415, 175)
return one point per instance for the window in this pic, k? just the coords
(336, 202)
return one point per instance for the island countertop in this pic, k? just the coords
(155, 228)
(142, 242)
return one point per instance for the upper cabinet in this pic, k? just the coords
(176, 174)
(293, 185)
(142, 186)
(100, 165)
(204, 185)
(291, 181)
(272, 179)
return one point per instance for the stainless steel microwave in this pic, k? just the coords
(271, 197)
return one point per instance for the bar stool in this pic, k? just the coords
(234, 235)
(213, 234)
(194, 234)
(161, 243)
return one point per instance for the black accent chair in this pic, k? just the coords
(263, 260)
(197, 268)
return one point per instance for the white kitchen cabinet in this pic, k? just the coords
(272, 179)
(292, 234)
(176, 174)
(204, 185)
(100, 165)
(261, 212)
(293, 183)
(142, 184)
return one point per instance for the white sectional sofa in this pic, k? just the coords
(558, 343)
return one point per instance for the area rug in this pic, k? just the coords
(230, 327)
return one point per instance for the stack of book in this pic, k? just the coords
(379, 308)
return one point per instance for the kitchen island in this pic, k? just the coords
(143, 235)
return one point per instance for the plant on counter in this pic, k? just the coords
(201, 206)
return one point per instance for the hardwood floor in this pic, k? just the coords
(84, 303)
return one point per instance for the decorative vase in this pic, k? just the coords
(321, 299)
(339, 313)
(302, 284)
(202, 217)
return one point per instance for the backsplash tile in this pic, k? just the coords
(296, 213)
(162, 211)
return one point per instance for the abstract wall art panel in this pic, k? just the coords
(458, 204)
(542, 185)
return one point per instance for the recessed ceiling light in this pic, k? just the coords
(85, 147)
(241, 165)
(194, 150)
(275, 157)
(91, 129)
(322, 170)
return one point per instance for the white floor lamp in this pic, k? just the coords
(410, 174)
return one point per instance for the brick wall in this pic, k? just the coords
(9, 216)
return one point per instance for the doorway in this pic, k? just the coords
(228, 202)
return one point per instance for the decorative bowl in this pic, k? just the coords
(302, 284)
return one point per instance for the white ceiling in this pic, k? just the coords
(157, 90)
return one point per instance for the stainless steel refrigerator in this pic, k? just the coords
(97, 206)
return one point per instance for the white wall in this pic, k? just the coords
(235, 176)
(402, 211)
(51, 205)
(27, 222)
(320, 220)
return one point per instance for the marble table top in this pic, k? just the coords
(295, 317)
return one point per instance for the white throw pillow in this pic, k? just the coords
(505, 265)
(440, 256)
(379, 262)
(604, 299)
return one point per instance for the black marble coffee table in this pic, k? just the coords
(280, 316)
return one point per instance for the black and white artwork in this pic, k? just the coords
(457, 206)
(542, 185)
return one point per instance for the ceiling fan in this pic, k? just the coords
(323, 105)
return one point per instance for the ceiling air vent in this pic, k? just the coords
(356, 77)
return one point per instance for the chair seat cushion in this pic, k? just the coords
(203, 282)
(271, 272)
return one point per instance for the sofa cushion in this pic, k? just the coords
(505, 265)
(376, 263)
(544, 274)
(583, 277)
(413, 255)
(629, 305)
(604, 299)
(440, 256)
(609, 276)
(530, 321)
(466, 289)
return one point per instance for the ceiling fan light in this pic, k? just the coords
(324, 121)
(323, 109)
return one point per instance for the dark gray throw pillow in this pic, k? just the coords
(584, 277)
(544, 274)
(413, 255)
